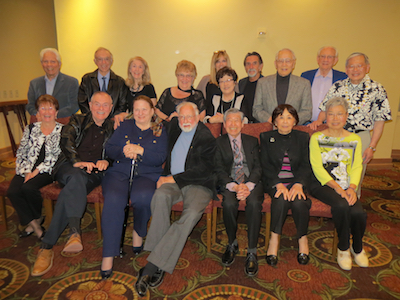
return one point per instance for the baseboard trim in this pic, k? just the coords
(6, 152)
(396, 153)
(381, 163)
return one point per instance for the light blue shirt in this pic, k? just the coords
(100, 80)
(180, 151)
(50, 84)
(320, 87)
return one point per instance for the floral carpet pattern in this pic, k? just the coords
(200, 274)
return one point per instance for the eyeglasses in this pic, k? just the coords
(185, 75)
(353, 67)
(337, 115)
(104, 105)
(330, 57)
(46, 108)
(224, 81)
(101, 59)
(284, 60)
(187, 118)
(220, 52)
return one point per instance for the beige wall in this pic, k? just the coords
(165, 32)
(26, 27)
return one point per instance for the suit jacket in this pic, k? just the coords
(299, 96)
(272, 153)
(65, 91)
(337, 75)
(224, 159)
(116, 89)
(199, 164)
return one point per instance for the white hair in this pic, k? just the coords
(53, 50)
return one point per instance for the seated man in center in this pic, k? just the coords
(188, 177)
(239, 173)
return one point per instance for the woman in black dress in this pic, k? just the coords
(286, 173)
(171, 97)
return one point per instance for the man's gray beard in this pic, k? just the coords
(251, 76)
(186, 129)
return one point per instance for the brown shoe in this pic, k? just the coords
(43, 263)
(74, 244)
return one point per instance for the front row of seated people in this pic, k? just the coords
(140, 146)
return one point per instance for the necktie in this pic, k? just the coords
(238, 162)
(104, 88)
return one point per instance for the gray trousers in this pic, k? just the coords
(166, 240)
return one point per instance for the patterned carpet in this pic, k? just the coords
(200, 275)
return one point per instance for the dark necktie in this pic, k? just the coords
(238, 161)
(104, 88)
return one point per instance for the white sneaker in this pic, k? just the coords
(344, 259)
(361, 258)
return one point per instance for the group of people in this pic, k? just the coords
(153, 154)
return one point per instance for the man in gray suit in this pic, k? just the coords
(62, 87)
(283, 88)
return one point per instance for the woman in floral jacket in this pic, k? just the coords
(36, 156)
(336, 159)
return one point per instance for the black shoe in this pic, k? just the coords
(251, 267)
(137, 250)
(157, 278)
(142, 283)
(43, 233)
(303, 258)
(25, 233)
(106, 274)
(272, 260)
(229, 256)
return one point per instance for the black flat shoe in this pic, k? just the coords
(157, 278)
(43, 233)
(137, 250)
(303, 258)
(106, 274)
(272, 260)
(142, 284)
(24, 233)
(229, 256)
(251, 267)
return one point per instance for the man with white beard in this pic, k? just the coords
(188, 177)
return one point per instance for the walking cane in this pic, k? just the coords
(126, 210)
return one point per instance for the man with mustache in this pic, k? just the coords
(188, 177)
(253, 65)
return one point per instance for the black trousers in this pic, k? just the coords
(230, 205)
(347, 219)
(71, 202)
(279, 210)
(26, 197)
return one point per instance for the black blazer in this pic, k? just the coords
(272, 152)
(199, 165)
(224, 159)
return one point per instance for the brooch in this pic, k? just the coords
(272, 140)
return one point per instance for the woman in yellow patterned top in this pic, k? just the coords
(336, 159)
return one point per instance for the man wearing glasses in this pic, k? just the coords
(321, 79)
(368, 105)
(188, 177)
(283, 88)
(105, 80)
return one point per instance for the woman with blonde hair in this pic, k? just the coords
(139, 81)
(185, 73)
(209, 84)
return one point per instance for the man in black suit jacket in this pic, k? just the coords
(105, 80)
(237, 154)
(188, 177)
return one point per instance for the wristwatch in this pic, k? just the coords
(372, 148)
